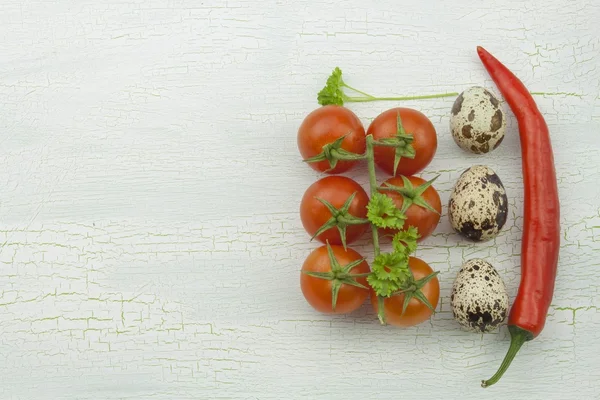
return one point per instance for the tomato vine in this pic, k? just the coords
(391, 274)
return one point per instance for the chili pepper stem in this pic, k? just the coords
(518, 336)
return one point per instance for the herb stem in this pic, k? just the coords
(400, 98)
(358, 91)
(373, 187)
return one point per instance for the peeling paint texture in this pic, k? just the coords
(150, 240)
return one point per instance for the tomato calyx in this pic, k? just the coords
(412, 195)
(413, 289)
(340, 218)
(402, 142)
(339, 275)
(333, 152)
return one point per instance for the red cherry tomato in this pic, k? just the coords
(335, 190)
(317, 291)
(416, 312)
(322, 127)
(414, 123)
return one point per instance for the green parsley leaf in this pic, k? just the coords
(332, 92)
(406, 241)
(383, 213)
(389, 272)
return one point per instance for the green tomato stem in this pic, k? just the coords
(373, 187)
(351, 220)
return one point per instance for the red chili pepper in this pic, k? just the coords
(541, 232)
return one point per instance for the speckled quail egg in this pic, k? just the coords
(479, 298)
(478, 205)
(477, 121)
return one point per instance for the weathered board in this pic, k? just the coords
(150, 242)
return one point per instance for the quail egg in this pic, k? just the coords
(478, 205)
(477, 121)
(479, 298)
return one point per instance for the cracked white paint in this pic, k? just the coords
(140, 141)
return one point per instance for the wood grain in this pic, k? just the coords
(150, 242)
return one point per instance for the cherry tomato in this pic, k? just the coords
(423, 219)
(336, 190)
(414, 123)
(322, 127)
(317, 291)
(416, 312)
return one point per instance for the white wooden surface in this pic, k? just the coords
(150, 183)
